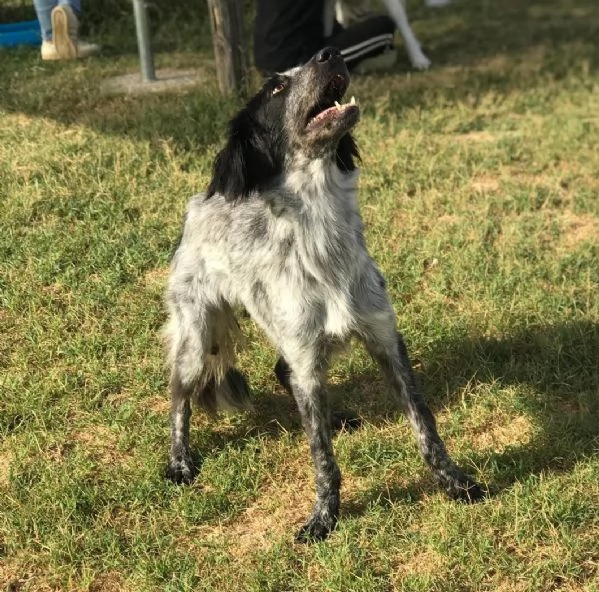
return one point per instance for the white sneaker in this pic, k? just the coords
(65, 44)
(65, 31)
(84, 49)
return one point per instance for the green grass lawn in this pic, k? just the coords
(480, 196)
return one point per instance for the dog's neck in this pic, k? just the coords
(318, 183)
(325, 216)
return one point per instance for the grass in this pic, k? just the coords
(480, 195)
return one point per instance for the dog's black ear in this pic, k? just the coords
(229, 171)
(347, 151)
(247, 162)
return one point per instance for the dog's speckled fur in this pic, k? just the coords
(279, 231)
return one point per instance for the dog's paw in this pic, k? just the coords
(316, 529)
(420, 61)
(180, 471)
(466, 490)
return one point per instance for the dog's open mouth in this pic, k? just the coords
(328, 109)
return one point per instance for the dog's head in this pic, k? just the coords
(295, 114)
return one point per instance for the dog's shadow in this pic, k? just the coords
(555, 371)
(556, 368)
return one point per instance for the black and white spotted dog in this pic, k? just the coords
(279, 231)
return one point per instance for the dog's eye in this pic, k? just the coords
(279, 88)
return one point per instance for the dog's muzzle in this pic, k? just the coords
(332, 78)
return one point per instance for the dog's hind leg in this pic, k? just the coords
(387, 347)
(180, 468)
(340, 420)
(201, 348)
(306, 375)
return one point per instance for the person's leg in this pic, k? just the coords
(368, 41)
(287, 33)
(74, 4)
(43, 9)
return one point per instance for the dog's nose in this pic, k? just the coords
(324, 55)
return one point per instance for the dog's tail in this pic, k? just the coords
(205, 356)
(229, 393)
(220, 387)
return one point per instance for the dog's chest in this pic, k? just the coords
(315, 306)
(314, 287)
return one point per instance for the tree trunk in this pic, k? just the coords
(226, 22)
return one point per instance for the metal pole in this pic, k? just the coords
(142, 28)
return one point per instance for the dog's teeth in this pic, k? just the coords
(352, 101)
(337, 105)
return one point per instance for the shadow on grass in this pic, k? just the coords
(557, 366)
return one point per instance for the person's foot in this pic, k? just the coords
(84, 49)
(65, 44)
(65, 32)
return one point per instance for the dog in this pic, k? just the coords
(348, 12)
(279, 231)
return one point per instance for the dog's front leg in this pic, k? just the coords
(312, 399)
(387, 347)
(393, 358)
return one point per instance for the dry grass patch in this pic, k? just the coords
(6, 458)
(155, 279)
(485, 184)
(511, 586)
(108, 582)
(281, 506)
(159, 403)
(482, 136)
(14, 577)
(502, 432)
(425, 563)
(278, 511)
(100, 443)
(577, 229)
